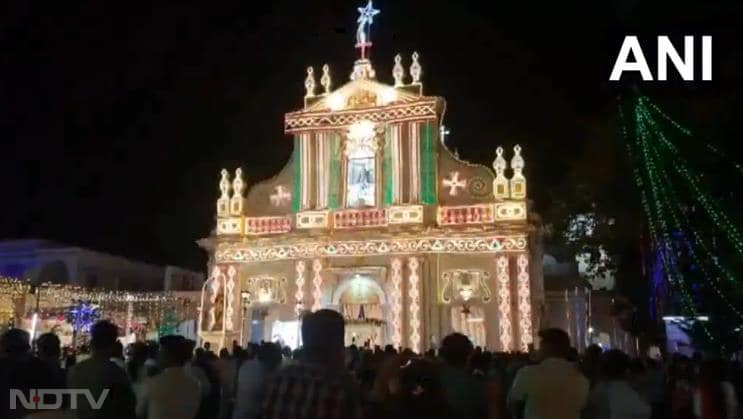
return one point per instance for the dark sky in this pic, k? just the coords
(116, 116)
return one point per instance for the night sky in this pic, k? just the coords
(115, 117)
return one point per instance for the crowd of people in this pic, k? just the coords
(174, 379)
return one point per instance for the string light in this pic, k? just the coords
(652, 222)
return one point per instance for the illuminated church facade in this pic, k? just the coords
(374, 217)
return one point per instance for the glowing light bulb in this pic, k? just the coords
(361, 130)
(336, 102)
(388, 96)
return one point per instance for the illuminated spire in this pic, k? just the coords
(365, 20)
(398, 72)
(325, 79)
(309, 83)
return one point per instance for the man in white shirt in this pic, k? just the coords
(172, 394)
(553, 389)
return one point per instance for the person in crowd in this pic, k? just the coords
(98, 374)
(118, 355)
(49, 351)
(552, 389)
(135, 369)
(20, 370)
(173, 393)
(151, 362)
(386, 387)
(680, 387)
(419, 395)
(253, 376)
(590, 363)
(612, 397)
(463, 393)
(206, 361)
(196, 371)
(714, 397)
(318, 387)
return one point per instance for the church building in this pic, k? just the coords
(375, 218)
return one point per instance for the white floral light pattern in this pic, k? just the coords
(316, 284)
(524, 294)
(250, 252)
(215, 283)
(299, 282)
(396, 303)
(504, 303)
(414, 304)
(229, 296)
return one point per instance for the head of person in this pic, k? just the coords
(592, 353)
(118, 350)
(614, 365)
(15, 343)
(173, 351)
(224, 353)
(323, 334)
(207, 346)
(455, 350)
(554, 343)
(103, 336)
(48, 346)
(190, 347)
(269, 355)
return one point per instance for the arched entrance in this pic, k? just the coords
(470, 322)
(362, 301)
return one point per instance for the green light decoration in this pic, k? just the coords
(297, 172)
(647, 102)
(670, 267)
(334, 189)
(661, 176)
(428, 165)
(708, 203)
(168, 325)
(387, 168)
(672, 202)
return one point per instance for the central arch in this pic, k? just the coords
(358, 281)
(362, 301)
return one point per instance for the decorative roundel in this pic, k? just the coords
(477, 186)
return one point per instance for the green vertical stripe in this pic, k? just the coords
(428, 165)
(387, 167)
(297, 169)
(334, 189)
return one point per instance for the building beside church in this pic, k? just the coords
(374, 217)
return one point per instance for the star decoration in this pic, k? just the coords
(366, 14)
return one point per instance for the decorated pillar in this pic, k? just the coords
(219, 317)
(300, 268)
(414, 304)
(396, 301)
(316, 284)
(505, 328)
(526, 336)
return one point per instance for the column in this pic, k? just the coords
(300, 267)
(316, 284)
(505, 328)
(414, 305)
(526, 335)
(396, 301)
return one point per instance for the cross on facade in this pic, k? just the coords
(453, 183)
(280, 196)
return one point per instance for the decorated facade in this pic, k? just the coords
(374, 217)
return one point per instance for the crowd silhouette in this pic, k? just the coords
(173, 379)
